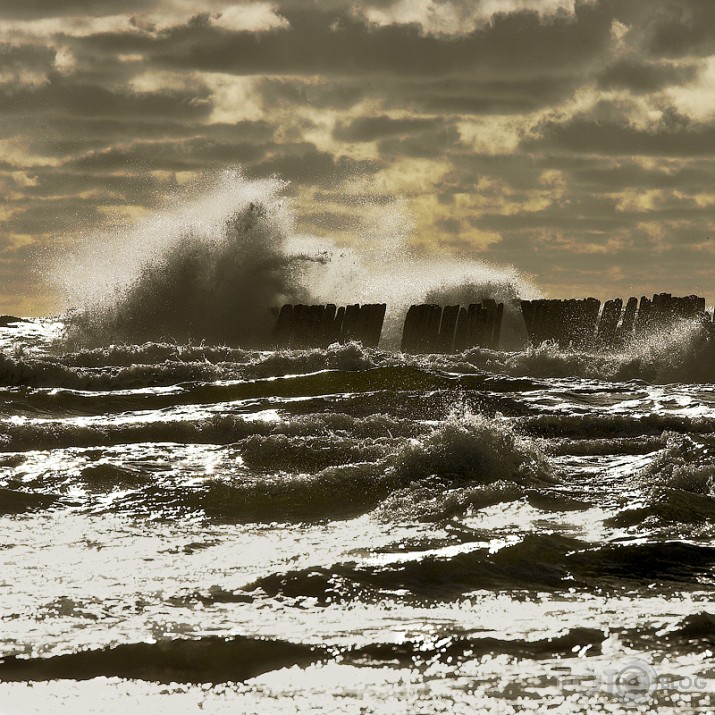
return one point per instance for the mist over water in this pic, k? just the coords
(213, 264)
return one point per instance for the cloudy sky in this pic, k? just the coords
(573, 139)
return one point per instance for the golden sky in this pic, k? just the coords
(573, 139)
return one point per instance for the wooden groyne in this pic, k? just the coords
(583, 324)
(579, 324)
(429, 328)
(317, 326)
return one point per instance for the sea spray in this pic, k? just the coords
(217, 287)
(212, 265)
(684, 352)
(467, 462)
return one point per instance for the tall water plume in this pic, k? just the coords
(213, 264)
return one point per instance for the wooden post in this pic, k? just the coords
(313, 337)
(410, 329)
(544, 321)
(496, 329)
(473, 311)
(460, 331)
(566, 322)
(370, 323)
(483, 326)
(527, 312)
(429, 339)
(590, 323)
(644, 319)
(609, 322)
(284, 326)
(350, 323)
(624, 333)
(326, 329)
(445, 339)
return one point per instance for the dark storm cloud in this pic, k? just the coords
(43, 216)
(305, 164)
(321, 95)
(465, 96)
(681, 27)
(16, 58)
(190, 155)
(453, 95)
(592, 136)
(58, 135)
(135, 188)
(431, 144)
(595, 216)
(693, 177)
(333, 43)
(642, 77)
(368, 129)
(666, 28)
(84, 100)
(32, 9)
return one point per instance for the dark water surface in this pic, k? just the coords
(193, 528)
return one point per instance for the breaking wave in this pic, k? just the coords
(684, 353)
(215, 265)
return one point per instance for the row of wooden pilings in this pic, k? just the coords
(428, 328)
(316, 326)
(581, 324)
(431, 329)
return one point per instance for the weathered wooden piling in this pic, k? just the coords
(460, 331)
(370, 320)
(607, 325)
(644, 319)
(568, 323)
(284, 326)
(313, 326)
(431, 329)
(576, 323)
(624, 332)
(445, 342)
(429, 337)
(411, 329)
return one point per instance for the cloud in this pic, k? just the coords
(589, 136)
(371, 128)
(572, 138)
(88, 100)
(643, 77)
(340, 44)
(52, 8)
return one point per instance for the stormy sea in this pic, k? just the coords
(192, 521)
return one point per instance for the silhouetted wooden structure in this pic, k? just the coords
(317, 326)
(429, 328)
(581, 324)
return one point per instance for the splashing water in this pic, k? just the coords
(214, 264)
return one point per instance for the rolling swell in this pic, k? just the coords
(612, 426)
(17, 502)
(547, 562)
(463, 648)
(206, 660)
(215, 660)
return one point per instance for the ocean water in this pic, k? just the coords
(191, 526)
(201, 528)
